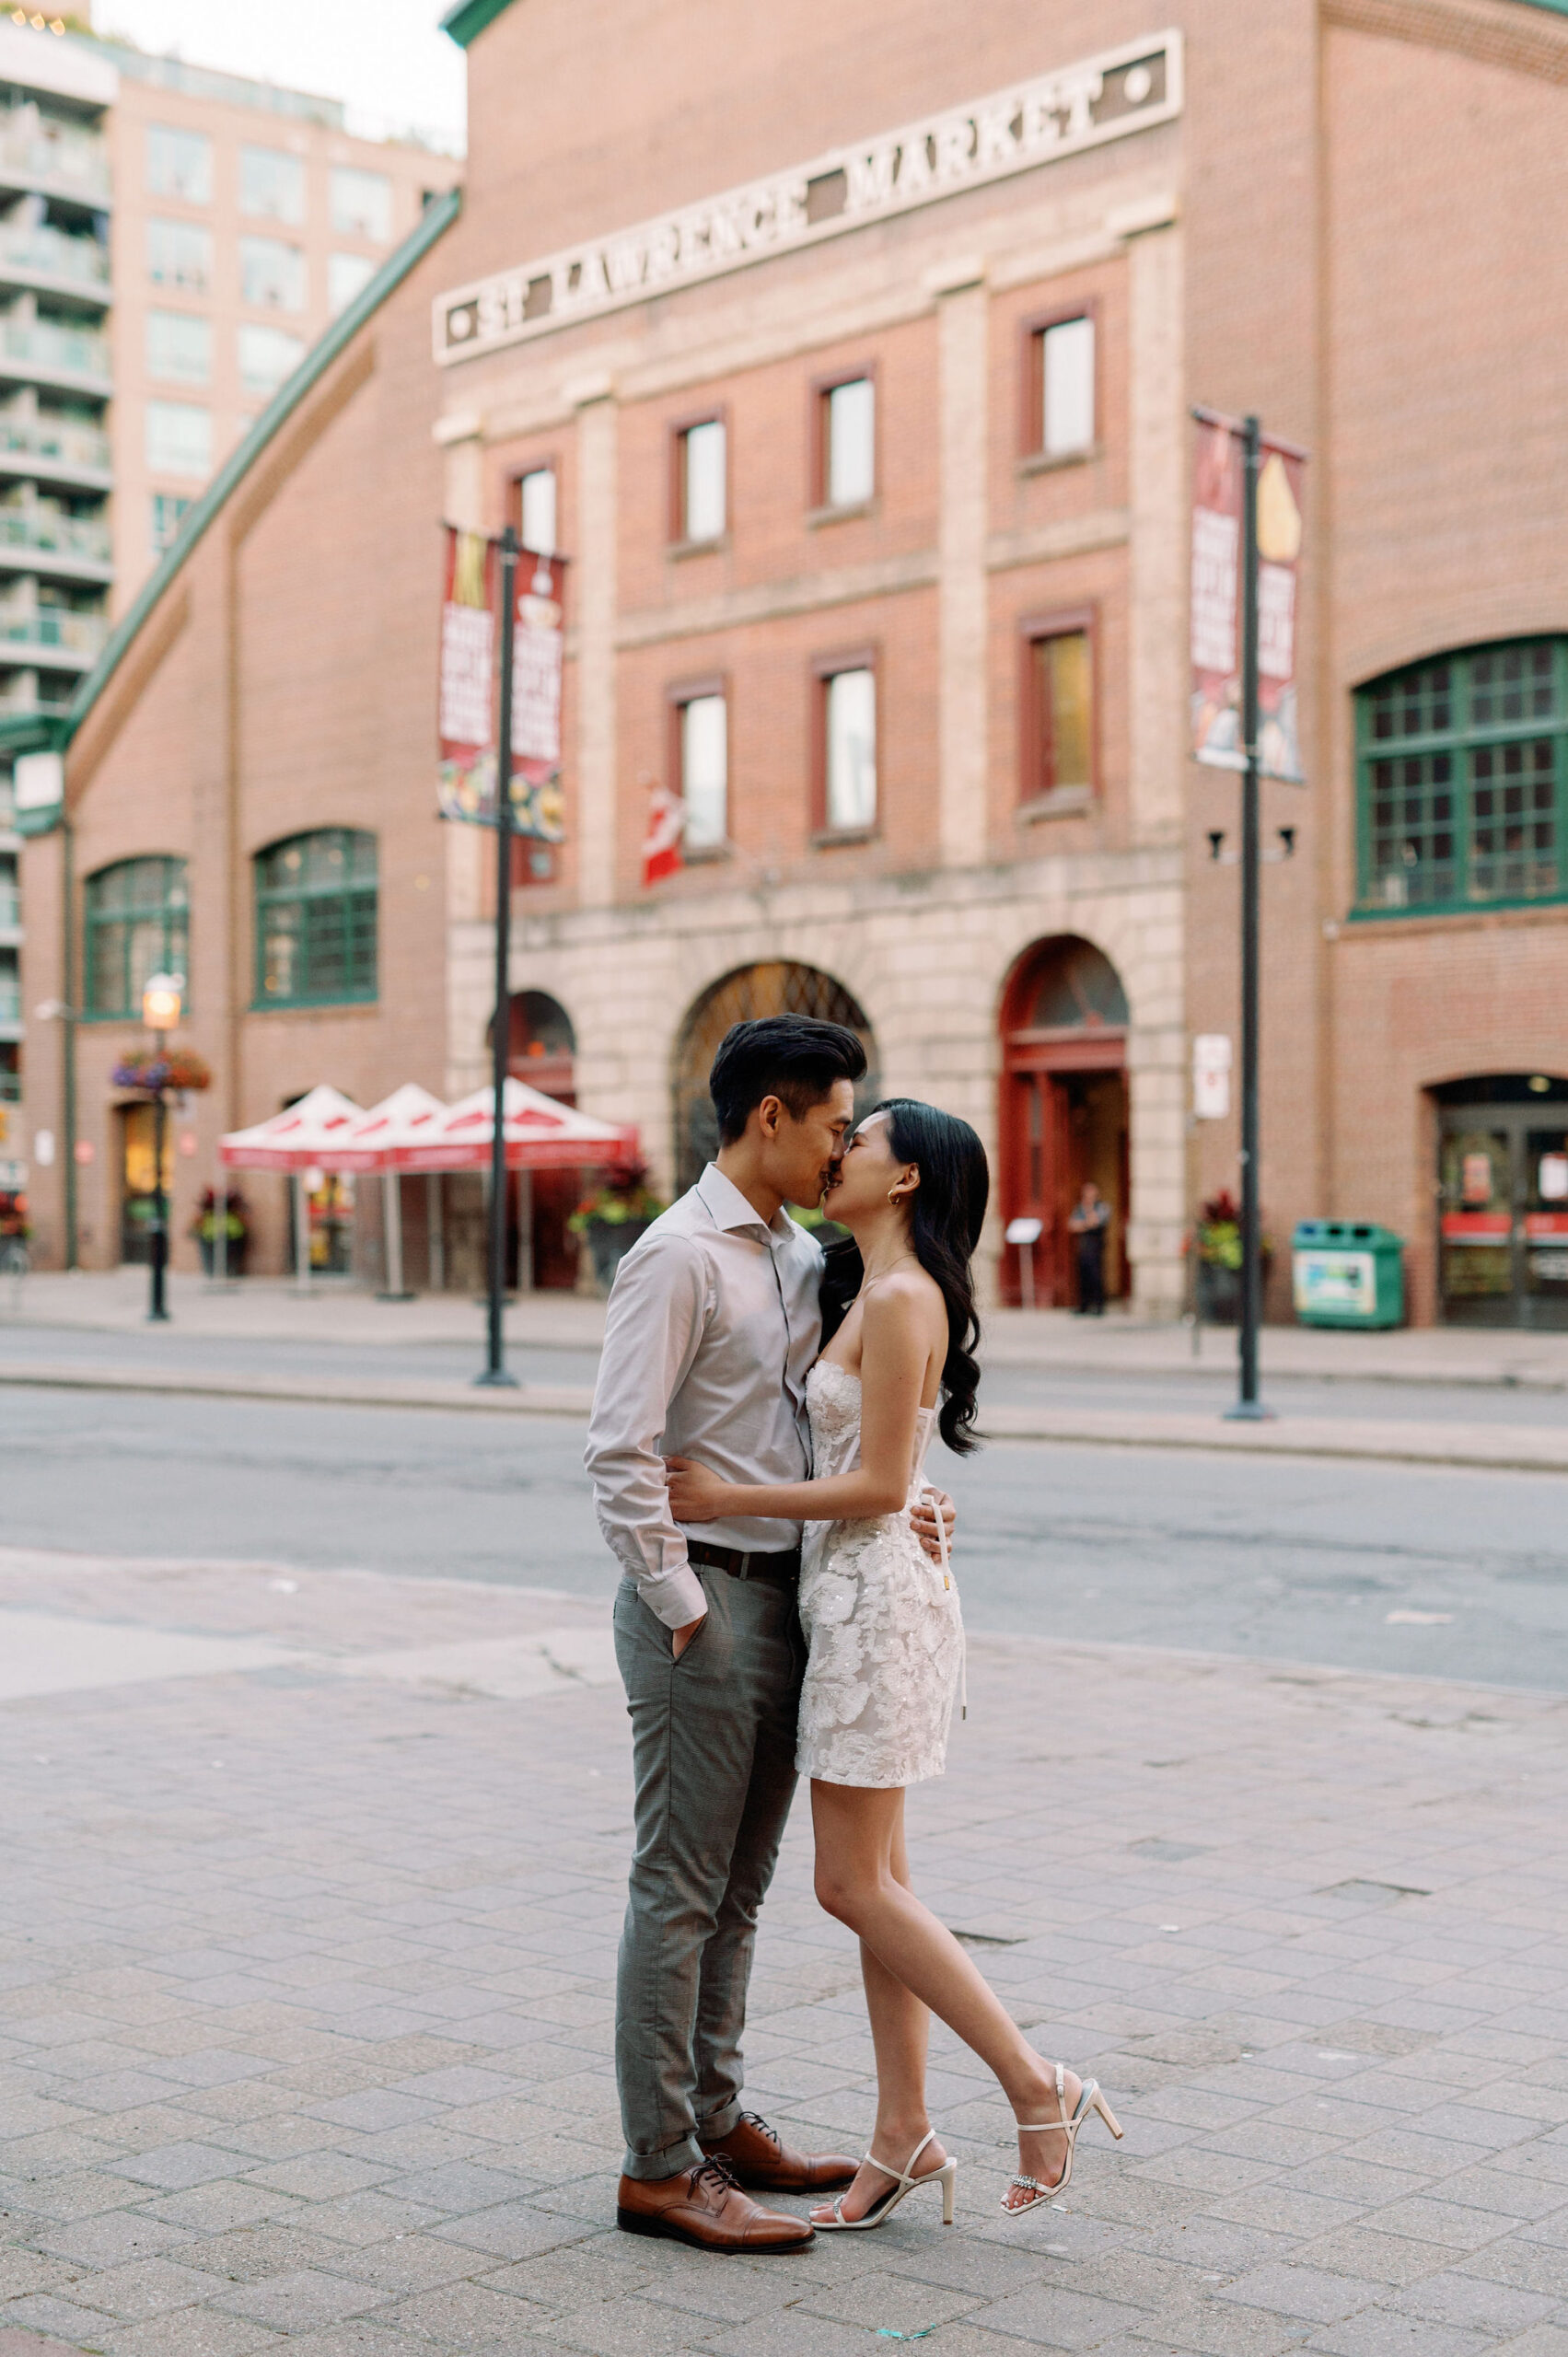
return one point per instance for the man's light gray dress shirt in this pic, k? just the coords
(712, 1329)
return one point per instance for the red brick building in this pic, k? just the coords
(848, 355)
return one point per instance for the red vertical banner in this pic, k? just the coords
(538, 651)
(1217, 497)
(466, 777)
(1216, 598)
(1278, 553)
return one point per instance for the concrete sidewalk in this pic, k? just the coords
(307, 1967)
(270, 1309)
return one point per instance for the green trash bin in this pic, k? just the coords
(1347, 1272)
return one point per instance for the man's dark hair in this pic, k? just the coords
(793, 1056)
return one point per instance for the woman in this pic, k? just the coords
(887, 1641)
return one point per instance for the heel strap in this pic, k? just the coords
(902, 2176)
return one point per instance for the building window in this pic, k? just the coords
(1462, 780)
(362, 204)
(179, 345)
(266, 357)
(11, 1071)
(138, 924)
(847, 746)
(700, 464)
(1059, 389)
(180, 438)
(167, 509)
(180, 164)
(701, 759)
(1058, 709)
(316, 920)
(847, 424)
(10, 986)
(272, 275)
(180, 253)
(346, 273)
(536, 496)
(271, 184)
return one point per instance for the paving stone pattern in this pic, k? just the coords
(306, 2006)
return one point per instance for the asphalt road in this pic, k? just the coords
(1292, 1558)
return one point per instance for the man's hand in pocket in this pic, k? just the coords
(682, 1637)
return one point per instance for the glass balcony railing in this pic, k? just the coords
(54, 535)
(10, 908)
(50, 627)
(53, 253)
(77, 166)
(18, 696)
(65, 446)
(76, 352)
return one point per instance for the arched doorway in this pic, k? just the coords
(777, 988)
(541, 1050)
(1063, 1116)
(1503, 1200)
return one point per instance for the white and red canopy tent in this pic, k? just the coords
(410, 1131)
(302, 1137)
(538, 1133)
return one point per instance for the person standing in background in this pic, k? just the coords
(1087, 1226)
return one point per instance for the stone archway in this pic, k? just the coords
(1063, 1113)
(779, 987)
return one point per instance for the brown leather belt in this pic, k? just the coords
(785, 1569)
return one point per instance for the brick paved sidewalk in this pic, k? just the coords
(305, 2000)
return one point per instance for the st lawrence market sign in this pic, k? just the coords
(1035, 123)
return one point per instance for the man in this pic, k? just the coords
(713, 1327)
(1087, 1224)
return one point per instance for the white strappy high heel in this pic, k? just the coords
(1089, 2100)
(886, 2203)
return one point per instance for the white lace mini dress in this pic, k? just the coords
(881, 1620)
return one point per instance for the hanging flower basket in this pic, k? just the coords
(177, 1068)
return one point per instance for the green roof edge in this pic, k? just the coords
(432, 223)
(468, 20)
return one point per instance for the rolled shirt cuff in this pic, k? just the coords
(676, 1597)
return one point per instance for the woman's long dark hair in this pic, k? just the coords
(947, 1213)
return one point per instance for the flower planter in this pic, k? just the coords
(234, 1259)
(1219, 1294)
(609, 1240)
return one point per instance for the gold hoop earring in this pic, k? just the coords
(894, 1196)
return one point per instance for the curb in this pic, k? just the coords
(1501, 1448)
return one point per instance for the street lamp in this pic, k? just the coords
(163, 997)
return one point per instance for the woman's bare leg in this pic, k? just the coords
(900, 2033)
(855, 1831)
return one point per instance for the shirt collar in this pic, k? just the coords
(729, 1208)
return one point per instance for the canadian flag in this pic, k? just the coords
(661, 844)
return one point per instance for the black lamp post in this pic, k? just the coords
(162, 999)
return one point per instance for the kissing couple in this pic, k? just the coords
(758, 1434)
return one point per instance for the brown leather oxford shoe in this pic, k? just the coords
(758, 2158)
(704, 2206)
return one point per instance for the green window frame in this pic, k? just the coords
(316, 918)
(1462, 782)
(137, 923)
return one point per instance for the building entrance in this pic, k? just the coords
(138, 1177)
(1502, 1200)
(1063, 1116)
(541, 1050)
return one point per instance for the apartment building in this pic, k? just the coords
(246, 218)
(172, 242)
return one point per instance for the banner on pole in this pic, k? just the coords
(538, 647)
(1216, 602)
(466, 777)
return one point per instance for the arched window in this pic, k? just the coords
(138, 924)
(316, 920)
(1461, 765)
(773, 989)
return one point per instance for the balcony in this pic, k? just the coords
(54, 262)
(76, 357)
(66, 641)
(51, 451)
(10, 908)
(33, 539)
(54, 164)
(21, 694)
